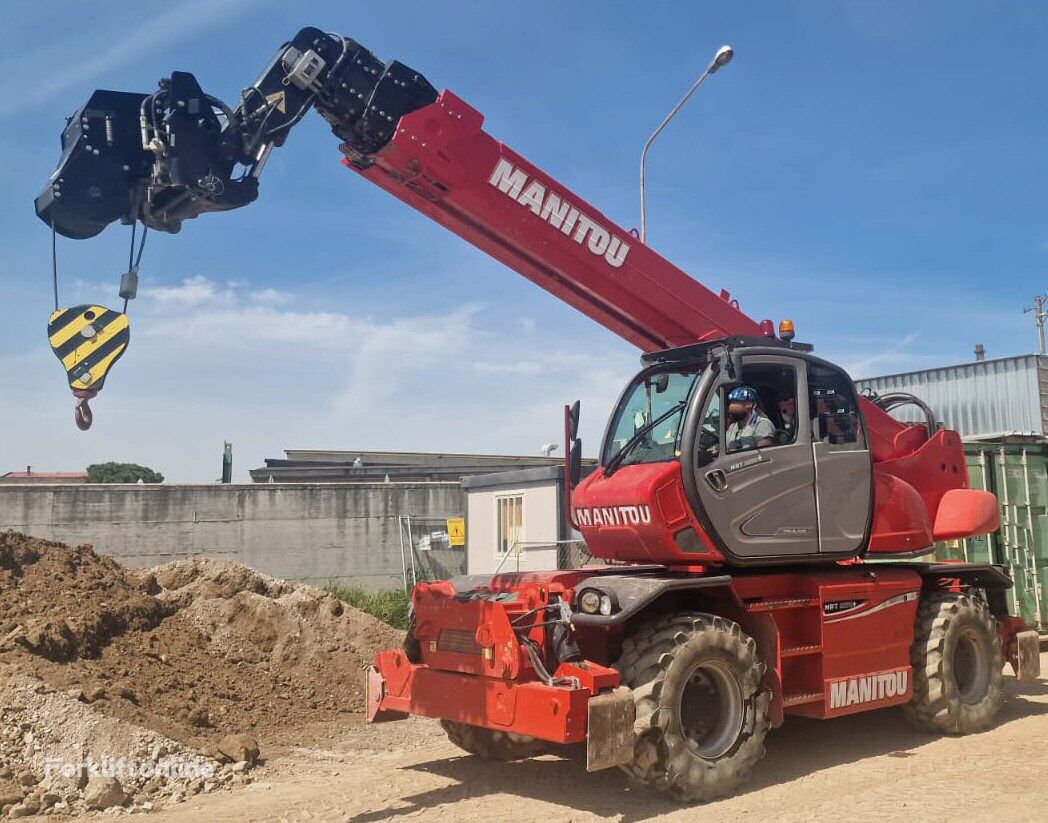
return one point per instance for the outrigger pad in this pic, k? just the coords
(1028, 645)
(375, 690)
(609, 730)
(88, 340)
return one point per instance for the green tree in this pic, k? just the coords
(122, 473)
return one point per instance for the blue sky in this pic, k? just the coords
(874, 170)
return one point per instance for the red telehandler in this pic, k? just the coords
(753, 577)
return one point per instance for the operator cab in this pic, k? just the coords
(796, 485)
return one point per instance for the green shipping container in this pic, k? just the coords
(1016, 470)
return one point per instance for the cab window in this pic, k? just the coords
(834, 409)
(650, 419)
(774, 414)
(710, 430)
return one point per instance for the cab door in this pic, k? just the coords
(760, 502)
(843, 463)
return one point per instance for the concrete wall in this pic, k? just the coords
(540, 522)
(335, 532)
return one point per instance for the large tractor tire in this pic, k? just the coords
(957, 665)
(702, 709)
(491, 744)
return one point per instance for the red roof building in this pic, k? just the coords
(30, 476)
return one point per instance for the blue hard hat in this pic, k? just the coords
(742, 394)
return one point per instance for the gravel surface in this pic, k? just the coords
(869, 767)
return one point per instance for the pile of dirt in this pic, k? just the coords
(188, 653)
(59, 754)
(61, 603)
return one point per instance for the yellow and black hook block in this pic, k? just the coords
(88, 340)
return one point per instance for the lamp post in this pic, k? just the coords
(720, 59)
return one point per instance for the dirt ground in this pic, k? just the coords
(198, 663)
(866, 767)
(214, 665)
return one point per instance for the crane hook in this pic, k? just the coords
(88, 340)
(82, 413)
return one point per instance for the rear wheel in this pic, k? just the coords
(491, 744)
(957, 665)
(702, 711)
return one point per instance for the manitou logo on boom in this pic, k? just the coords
(559, 213)
(870, 688)
(613, 516)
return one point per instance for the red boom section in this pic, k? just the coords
(442, 163)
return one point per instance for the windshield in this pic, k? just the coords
(661, 395)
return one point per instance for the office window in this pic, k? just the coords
(509, 521)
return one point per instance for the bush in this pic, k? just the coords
(122, 473)
(389, 606)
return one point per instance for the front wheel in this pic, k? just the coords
(702, 709)
(957, 665)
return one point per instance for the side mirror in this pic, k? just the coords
(837, 428)
(572, 458)
(575, 462)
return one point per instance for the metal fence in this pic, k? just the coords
(426, 552)
(571, 554)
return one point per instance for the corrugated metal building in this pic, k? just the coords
(1000, 407)
(984, 399)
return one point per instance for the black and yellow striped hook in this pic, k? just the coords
(88, 340)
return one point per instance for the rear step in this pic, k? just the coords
(801, 699)
(774, 605)
(797, 651)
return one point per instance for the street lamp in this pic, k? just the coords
(720, 59)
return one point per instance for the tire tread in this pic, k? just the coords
(661, 760)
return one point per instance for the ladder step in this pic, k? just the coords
(797, 651)
(801, 699)
(772, 605)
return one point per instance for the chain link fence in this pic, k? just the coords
(426, 552)
(570, 554)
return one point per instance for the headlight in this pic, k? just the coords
(590, 602)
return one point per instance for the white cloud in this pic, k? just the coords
(520, 367)
(230, 318)
(896, 357)
(193, 291)
(270, 297)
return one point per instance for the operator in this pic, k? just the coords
(787, 419)
(749, 428)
